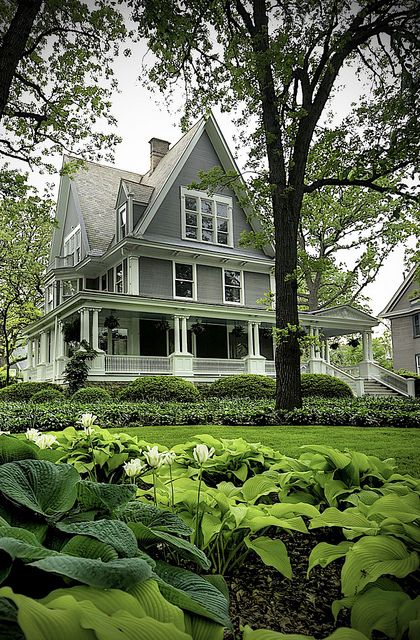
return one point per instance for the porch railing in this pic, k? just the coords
(353, 382)
(218, 366)
(390, 379)
(137, 364)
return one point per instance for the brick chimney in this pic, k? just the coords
(158, 149)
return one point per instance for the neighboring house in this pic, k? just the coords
(156, 273)
(403, 310)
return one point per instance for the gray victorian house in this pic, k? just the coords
(403, 311)
(153, 274)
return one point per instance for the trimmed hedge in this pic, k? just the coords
(47, 395)
(160, 388)
(324, 386)
(91, 394)
(359, 412)
(25, 390)
(243, 386)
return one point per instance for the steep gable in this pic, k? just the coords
(404, 295)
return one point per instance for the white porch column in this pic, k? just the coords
(43, 354)
(250, 339)
(184, 342)
(370, 347)
(327, 351)
(365, 341)
(133, 275)
(257, 339)
(95, 329)
(84, 324)
(176, 334)
(60, 340)
(30, 354)
(312, 346)
(316, 345)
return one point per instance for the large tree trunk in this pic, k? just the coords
(14, 44)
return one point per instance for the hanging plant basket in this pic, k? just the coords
(354, 342)
(237, 331)
(71, 330)
(266, 333)
(334, 345)
(111, 322)
(197, 328)
(162, 325)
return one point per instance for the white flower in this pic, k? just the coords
(32, 434)
(4, 433)
(133, 467)
(45, 441)
(88, 430)
(168, 457)
(202, 453)
(87, 421)
(153, 457)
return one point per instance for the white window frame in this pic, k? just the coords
(75, 246)
(415, 324)
(64, 298)
(241, 288)
(417, 356)
(122, 280)
(202, 195)
(194, 273)
(49, 297)
(122, 209)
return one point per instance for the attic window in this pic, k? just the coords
(72, 244)
(122, 221)
(206, 218)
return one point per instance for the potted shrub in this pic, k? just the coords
(111, 322)
(197, 328)
(353, 342)
(162, 325)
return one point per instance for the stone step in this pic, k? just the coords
(373, 388)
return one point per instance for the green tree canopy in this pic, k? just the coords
(25, 231)
(279, 64)
(56, 77)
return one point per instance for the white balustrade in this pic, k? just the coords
(218, 366)
(137, 364)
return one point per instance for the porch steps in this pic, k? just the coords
(374, 388)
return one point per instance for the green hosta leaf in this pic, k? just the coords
(325, 553)
(157, 519)
(241, 473)
(405, 508)
(210, 527)
(86, 547)
(124, 626)
(117, 574)
(349, 519)
(19, 534)
(95, 495)
(333, 489)
(201, 628)
(375, 556)
(281, 509)
(43, 487)
(107, 600)
(256, 487)
(24, 550)
(146, 536)
(155, 605)
(9, 628)
(378, 610)
(265, 634)
(112, 532)
(337, 458)
(189, 591)
(12, 449)
(272, 552)
(260, 522)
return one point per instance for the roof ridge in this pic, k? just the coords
(104, 166)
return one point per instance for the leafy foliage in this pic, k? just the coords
(91, 394)
(23, 391)
(170, 388)
(46, 396)
(77, 367)
(243, 386)
(322, 385)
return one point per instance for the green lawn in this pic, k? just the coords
(401, 444)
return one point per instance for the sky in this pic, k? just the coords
(142, 115)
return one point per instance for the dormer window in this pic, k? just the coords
(72, 245)
(206, 218)
(122, 221)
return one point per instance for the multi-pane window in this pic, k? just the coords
(416, 325)
(122, 221)
(72, 244)
(69, 288)
(232, 286)
(418, 363)
(49, 298)
(207, 219)
(184, 280)
(120, 277)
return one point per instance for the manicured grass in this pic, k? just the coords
(401, 444)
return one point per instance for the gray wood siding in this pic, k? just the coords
(167, 221)
(406, 298)
(209, 284)
(155, 278)
(256, 286)
(404, 345)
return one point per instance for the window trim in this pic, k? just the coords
(417, 362)
(194, 273)
(124, 280)
(122, 209)
(64, 298)
(241, 288)
(76, 231)
(202, 195)
(415, 334)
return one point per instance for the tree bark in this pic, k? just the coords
(13, 46)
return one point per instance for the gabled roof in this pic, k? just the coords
(141, 192)
(96, 187)
(345, 311)
(406, 283)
